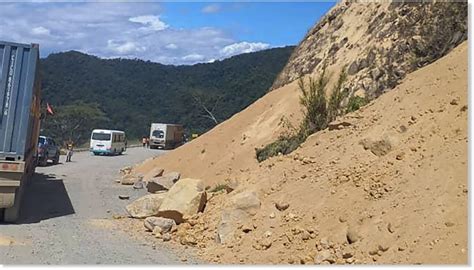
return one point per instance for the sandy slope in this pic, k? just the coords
(409, 200)
(230, 147)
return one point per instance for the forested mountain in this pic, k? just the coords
(89, 92)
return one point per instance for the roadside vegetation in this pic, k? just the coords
(318, 113)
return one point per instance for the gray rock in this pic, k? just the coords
(324, 256)
(166, 237)
(164, 182)
(165, 224)
(146, 206)
(155, 172)
(139, 185)
(240, 209)
(353, 68)
(130, 179)
(185, 198)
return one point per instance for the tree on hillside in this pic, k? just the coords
(202, 102)
(74, 122)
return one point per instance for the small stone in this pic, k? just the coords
(124, 197)
(139, 185)
(305, 236)
(342, 219)
(272, 215)
(266, 243)
(449, 224)
(454, 102)
(267, 234)
(324, 243)
(157, 230)
(324, 256)
(347, 255)
(282, 206)
(166, 237)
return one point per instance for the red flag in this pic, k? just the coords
(49, 109)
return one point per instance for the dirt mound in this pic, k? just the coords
(388, 186)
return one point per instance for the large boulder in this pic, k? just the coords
(173, 175)
(165, 224)
(185, 198)
(164, 182)
(146, 206)
(130, 179)
(240, 209)
(155, 172)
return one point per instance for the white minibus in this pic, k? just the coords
(108, 142)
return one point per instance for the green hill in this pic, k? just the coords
(124, 94)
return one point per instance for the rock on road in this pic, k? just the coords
(66, 216)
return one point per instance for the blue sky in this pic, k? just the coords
(169, 33)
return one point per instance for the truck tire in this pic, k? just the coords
(44, 160)
(10, 215)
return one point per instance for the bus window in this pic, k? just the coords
(101, 136)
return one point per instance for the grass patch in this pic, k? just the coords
(318, 112)
(355, 103)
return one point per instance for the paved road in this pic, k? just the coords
(66, 216)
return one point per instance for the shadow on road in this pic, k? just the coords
(45, 197)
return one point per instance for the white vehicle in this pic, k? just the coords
(108, 142)
(166, 136)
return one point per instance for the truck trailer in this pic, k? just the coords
(166, 136)
(19, 123)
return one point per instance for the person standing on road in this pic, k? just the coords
(69, 152)
(144, 141)
(147, 142)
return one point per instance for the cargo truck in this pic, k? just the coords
(166, 136)
(19, 123)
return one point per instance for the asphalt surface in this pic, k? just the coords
(66, 216)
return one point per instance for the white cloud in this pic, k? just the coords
(150, 21)
(124, 47)
(112, 30)
(40, 30)
(212, 8)
(193, 57)
(171, 46)
(243, 47)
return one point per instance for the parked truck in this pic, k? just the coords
(19, 123)
(166, 136)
